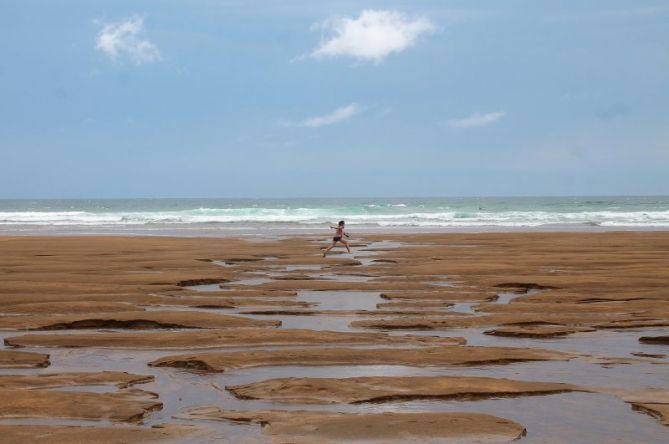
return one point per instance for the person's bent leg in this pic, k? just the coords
(346, 245)
(329, 248)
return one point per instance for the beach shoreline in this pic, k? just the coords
(268, 232)
(530, 335)
(367, 216)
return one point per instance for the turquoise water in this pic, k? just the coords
(212, 214)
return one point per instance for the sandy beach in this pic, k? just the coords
(180, 183)
(489, 337)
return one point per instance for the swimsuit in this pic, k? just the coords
(338, 234)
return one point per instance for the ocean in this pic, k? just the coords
(209, 217)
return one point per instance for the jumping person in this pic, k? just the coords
(338, 237)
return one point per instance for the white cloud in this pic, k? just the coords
(372, 36)
(336, 116)
(476, 119)
(125, 38)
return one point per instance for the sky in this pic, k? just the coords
(243, 98)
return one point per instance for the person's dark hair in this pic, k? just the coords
(341, 222)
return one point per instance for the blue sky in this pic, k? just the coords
(300, 98)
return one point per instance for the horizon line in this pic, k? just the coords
(341, 197)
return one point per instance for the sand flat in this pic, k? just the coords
(654, 402)
(658, 410)
(537, 331)
(125, 406)
(50, 380)
(610, 288)
(48, 434)
(603, 320)
(664, 340)
(324, 427)
(445, 295)
(420, 357)
(390, 389)
(131, 320)
(18, 359)
(69, 307)
(220, 339)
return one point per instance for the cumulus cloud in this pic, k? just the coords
(476, 119)
(125, 39)
(336, 116)
(372, 36)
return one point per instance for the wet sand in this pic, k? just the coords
(546, 337)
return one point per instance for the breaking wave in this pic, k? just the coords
(400, 215)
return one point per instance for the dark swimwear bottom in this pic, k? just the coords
(336, 238)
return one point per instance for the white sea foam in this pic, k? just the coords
(314, 216)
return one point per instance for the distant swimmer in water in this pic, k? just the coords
(338, 237)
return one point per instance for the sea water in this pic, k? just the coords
(235, 216)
